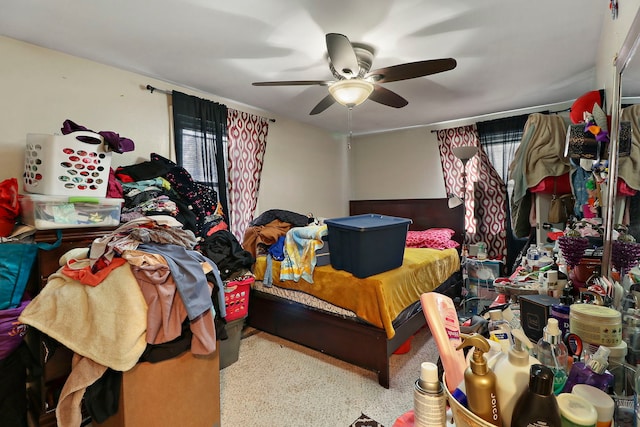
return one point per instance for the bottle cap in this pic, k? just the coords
(478, 362)
(541, 380)
(429, 372)
(429, 380)
(518, 353)
(551, 332)
(576, 410)
(600, 360)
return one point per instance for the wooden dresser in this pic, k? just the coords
(44, 386)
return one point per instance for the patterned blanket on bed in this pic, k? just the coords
(380, 298)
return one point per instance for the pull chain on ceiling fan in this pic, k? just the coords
(354, 83)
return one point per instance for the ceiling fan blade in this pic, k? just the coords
(411, 70)
(384, 96)
(325, 103)
(342, 55)
(295, 83)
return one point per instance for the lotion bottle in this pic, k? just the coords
(513, 370)
(429, 401)
(499, 329)
(537, 406)
(442, 317)
(480, 382)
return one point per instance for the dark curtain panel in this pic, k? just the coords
(200, 130)
(499, 139)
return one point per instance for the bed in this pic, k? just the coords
(364, 338)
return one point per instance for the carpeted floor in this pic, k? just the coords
(275, 382)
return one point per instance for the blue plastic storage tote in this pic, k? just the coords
(367, 244)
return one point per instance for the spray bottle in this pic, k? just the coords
(552, 352)
(429, 401)
(480, 382)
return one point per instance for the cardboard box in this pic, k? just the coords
(182, 391)
(534, 312)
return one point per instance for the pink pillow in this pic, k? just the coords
(436, 238)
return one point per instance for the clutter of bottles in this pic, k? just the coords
(581, 370)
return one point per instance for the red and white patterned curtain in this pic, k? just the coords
(485, 212)
(247, 143)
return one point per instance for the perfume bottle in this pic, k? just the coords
(552, 352)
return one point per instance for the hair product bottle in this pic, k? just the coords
(480, 382)
(429, 401)
(512, 371)
(537, 406)
(593, 373)
(552, 352)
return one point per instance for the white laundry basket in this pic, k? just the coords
(76, 164)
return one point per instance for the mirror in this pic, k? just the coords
(626, 88)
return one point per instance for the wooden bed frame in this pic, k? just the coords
(350, 340)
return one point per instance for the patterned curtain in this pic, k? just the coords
(247, 139)
(485, 211)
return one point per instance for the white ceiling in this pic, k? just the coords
(510, 54)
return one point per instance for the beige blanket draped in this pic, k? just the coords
(629, 166)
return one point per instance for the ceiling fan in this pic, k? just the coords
(353, 81)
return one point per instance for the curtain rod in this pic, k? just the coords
(168, 92)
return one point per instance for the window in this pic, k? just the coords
(193, 150)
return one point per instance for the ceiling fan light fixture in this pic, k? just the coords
(351, 92)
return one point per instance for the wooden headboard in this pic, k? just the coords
(424, 213)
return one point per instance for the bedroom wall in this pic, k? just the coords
(613, 35)
(396, 165)
(305, 168)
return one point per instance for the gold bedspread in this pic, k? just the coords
(380, 298)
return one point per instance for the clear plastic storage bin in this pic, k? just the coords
(52, 212)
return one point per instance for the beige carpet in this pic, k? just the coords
(278, 383)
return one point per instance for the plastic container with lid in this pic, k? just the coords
(367, 244)
(600, 400)
(596, 324)
(576, 411)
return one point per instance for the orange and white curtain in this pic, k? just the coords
(247, 143)
(485, 195)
